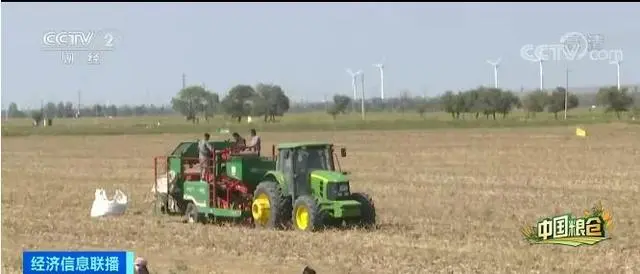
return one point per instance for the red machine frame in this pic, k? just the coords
(224, 192)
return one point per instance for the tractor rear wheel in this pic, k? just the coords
(306, 214)
(270, 209)
(367, 211)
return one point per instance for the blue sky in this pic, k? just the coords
(305, 47)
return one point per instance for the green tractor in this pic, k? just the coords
(307, 189)
(298, 186)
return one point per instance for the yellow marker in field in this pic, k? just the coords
(581, 132)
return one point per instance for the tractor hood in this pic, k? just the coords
(329, 176)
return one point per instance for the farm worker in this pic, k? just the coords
(141, 266)
(254, 143)
(204, 154)
(239, 142)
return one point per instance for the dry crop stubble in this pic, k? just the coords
(447, 201)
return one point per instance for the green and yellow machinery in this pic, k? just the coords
(299, 186)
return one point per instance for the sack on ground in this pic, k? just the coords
(102, 206)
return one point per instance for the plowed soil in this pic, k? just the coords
(450, 201)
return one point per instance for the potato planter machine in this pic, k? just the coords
(297, 186)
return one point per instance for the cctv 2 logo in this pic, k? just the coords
(79, 40)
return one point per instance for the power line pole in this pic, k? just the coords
(362, 99)
(184, 81)
(566, 93)
(78, 106)
(326, 103)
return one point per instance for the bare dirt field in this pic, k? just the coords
(448, 201)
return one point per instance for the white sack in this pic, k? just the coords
(163, 182)
(102, 206)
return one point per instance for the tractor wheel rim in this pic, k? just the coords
(302, 217)
(260, 209)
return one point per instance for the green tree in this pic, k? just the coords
(50, 110)
(534, 102)
(474, 101)
(239, 102)
(340, 105)
(69, 110)
(190, 102)
(405, 101)
(506, 103)
(615, 100)
(37, 116)
(491, 101)
(60, 110)
(14, 111)
(556, 100)
(112, 110)
(271, 101)
(452, 103)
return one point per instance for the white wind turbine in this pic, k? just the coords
(354, 76)
(380, 67)
(540, 61)
(617, 63)
(495, 65)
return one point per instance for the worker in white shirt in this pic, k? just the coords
(254, 142)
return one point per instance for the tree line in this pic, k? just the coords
(264, 100)
(493, 102)
(70, 110)
(270, 101)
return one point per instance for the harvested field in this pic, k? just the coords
(448, 201)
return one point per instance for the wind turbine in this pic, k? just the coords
(541, 74)
(354, 76)
(495, 65)
(617, 63)
(380, 67)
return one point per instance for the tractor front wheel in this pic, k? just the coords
(306, 214)
(367, 211)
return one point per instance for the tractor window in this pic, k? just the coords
(284, 161)
(315, 158)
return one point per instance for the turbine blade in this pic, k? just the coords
(350, 71)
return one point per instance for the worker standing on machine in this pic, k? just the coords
(254, 143)
(204, 154)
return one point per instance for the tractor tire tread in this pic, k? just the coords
(317, 217)
(368, 210)
(279, 208)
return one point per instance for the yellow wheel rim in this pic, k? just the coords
(302, 217)
(260, 209)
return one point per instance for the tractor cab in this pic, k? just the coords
(306, 166)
